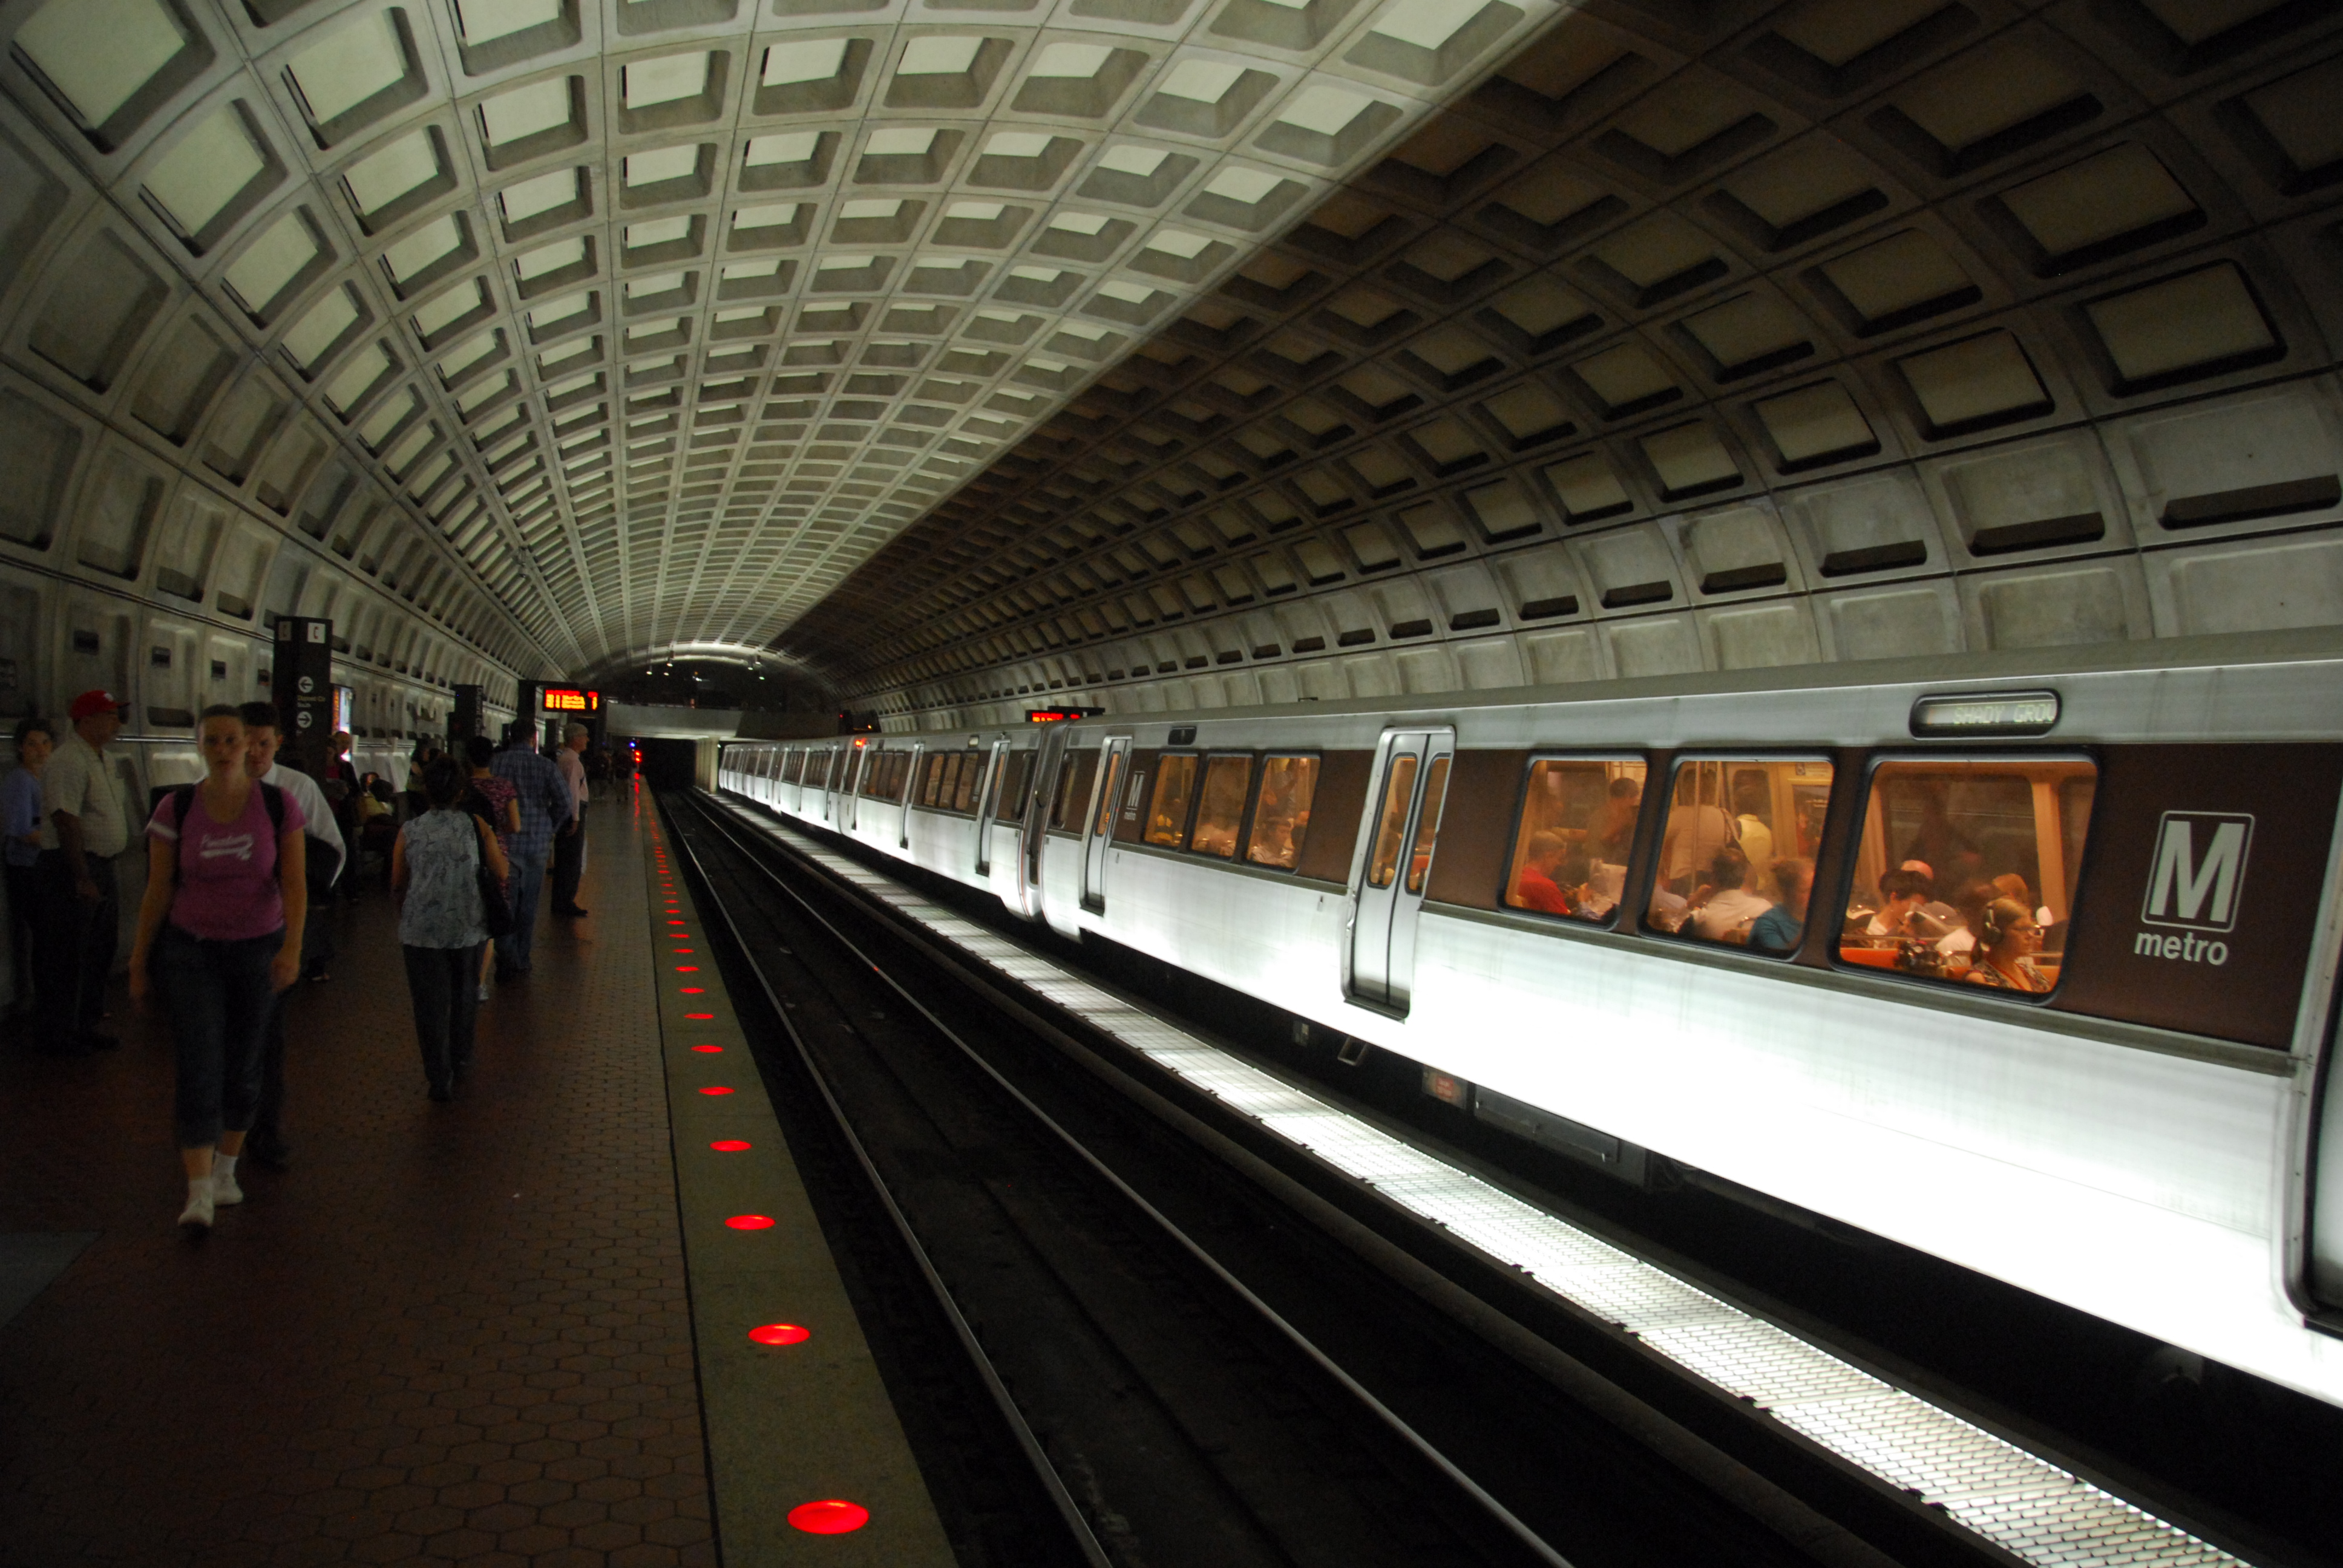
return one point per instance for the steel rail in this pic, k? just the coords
(1424, 1449)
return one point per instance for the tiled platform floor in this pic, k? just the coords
(448, 1332)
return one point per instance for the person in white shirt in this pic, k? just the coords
(82, 828)
(1731, 903)
(266, 1142)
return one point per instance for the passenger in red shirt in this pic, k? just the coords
(1553, 875)
(220, 929)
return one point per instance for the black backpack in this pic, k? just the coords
(183, 800)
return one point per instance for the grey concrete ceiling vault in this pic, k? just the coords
(1175, 352)
(650, 319)
(1702, 336)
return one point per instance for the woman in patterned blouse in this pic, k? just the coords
(435, 874)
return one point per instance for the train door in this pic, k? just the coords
(851, 802)
(1034, 826)
(833, 762)
(1387, 886)
(910, 793)
(987, 807)
(1100, 827)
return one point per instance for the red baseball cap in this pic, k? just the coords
(90, 702)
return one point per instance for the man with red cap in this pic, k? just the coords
(82, 828)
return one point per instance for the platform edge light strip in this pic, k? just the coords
(2035, 1511)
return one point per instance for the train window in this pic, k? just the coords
(1427, 823)
(1281, 814)
(789, 766)
(1075, 776)
(1390, 822)
(1009, 795)
(1221, 811)
(971, 774)
(1965, 871)
(1167, 811)
(1737, 853)
(934, 777)
(1578, 822)
(1107, 788)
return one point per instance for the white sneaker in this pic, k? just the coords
(224, 1187)
(199, 1211)
(485, 989)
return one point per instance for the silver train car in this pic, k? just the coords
(2032, 969)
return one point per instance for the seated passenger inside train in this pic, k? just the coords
(1777, 930)
(1902, 896)
(1723, 907)
(1554, 873)
(2008, 936)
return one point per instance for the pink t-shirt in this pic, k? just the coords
(227, 870)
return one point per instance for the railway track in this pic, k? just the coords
(1192, 1357)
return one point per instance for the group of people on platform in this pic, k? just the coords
(240, 866)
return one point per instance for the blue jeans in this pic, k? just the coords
(219, 998)
(522, 890)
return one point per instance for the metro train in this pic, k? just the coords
(2030, 967)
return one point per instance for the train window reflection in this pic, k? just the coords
(1075, 776)
(1965, 871)
(1578, 822)
(1737, 854)
(1427, 823)
(1009, 795)
(1282, 815)
(934, 777)
(971, 774)
(1167, 810)
(1220, 811)
(790, 765)
(1399, 788)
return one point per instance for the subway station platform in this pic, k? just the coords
(512, 1330)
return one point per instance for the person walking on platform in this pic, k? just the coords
(20, 824)
(495, 802)
(545, 804)
(219, 931)
(325, 855)
(84, 827)
(435, 871)
(569, 846)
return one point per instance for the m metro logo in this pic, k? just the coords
(2198, 877)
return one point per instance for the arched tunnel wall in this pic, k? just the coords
(1701, 338)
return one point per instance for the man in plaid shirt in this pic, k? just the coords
(546, 804)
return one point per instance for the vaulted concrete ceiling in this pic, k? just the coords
(656, 316)
(1700, 336)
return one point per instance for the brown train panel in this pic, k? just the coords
(1334, 811)
(2234, 974)
(1476, 828)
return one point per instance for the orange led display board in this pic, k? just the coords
(568, 699)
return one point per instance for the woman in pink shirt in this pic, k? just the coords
(220, 931)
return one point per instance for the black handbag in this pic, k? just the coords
(495, 914)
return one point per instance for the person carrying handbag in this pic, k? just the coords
(436, 873)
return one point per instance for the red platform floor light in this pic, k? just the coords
(750, 1223)
(729, 1145)
(708, 1049)
(715, 1088)
(779, 1334)
(832, 1516)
